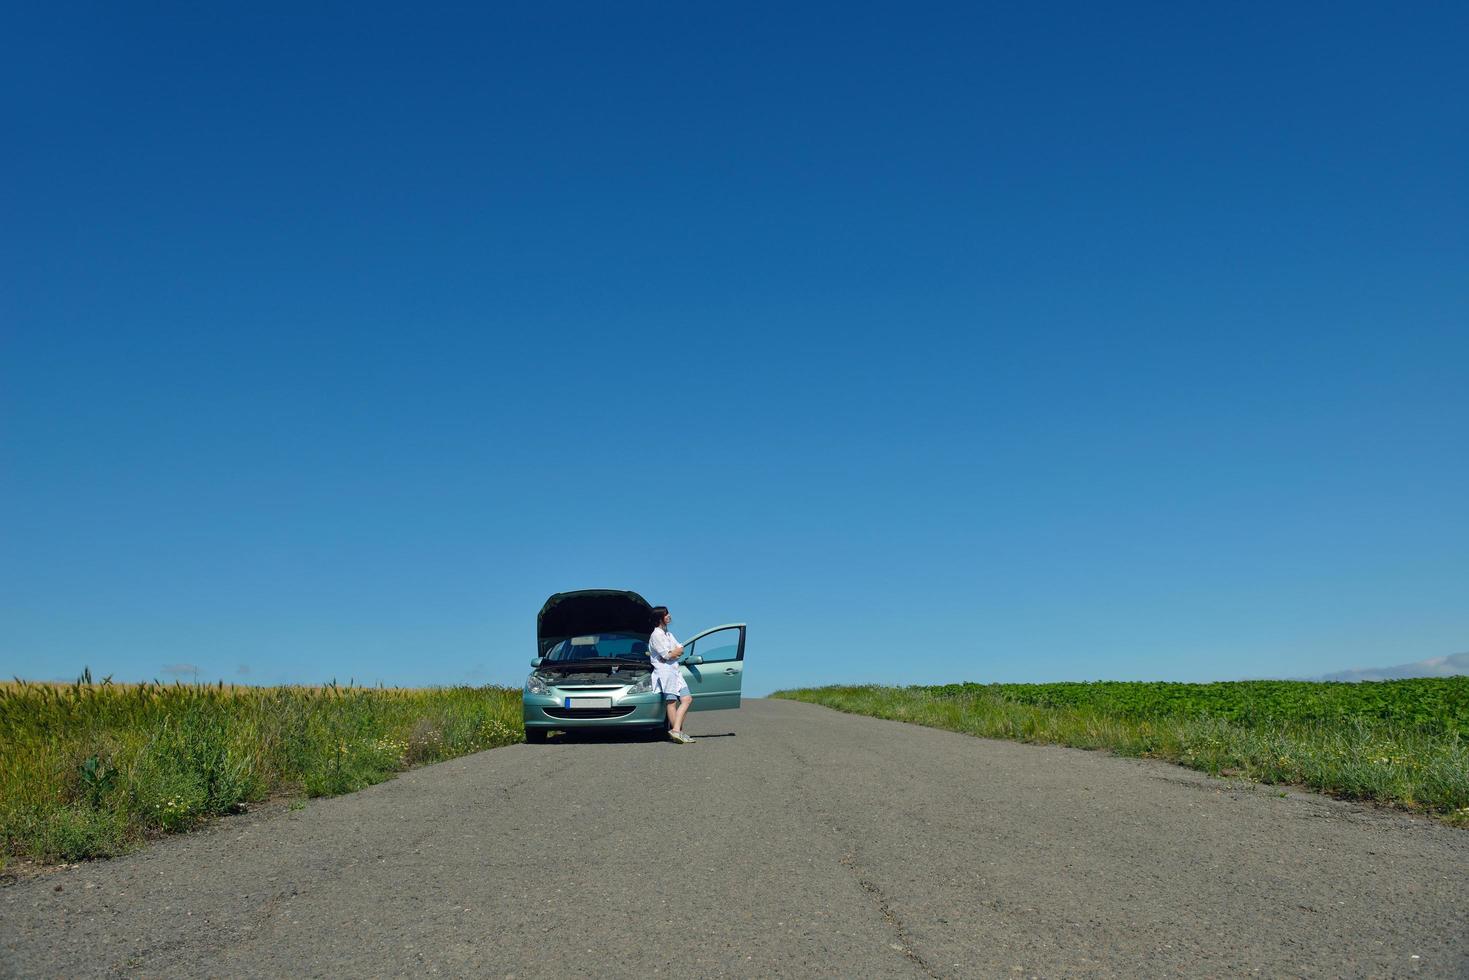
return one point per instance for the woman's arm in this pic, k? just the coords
(666, 647)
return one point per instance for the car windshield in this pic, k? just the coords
(601, 646)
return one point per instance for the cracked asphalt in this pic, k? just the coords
(789, 840)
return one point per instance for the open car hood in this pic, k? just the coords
(568, 614)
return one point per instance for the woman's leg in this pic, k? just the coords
(683, 709)
(673, 718)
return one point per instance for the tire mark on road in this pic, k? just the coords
(540, 775)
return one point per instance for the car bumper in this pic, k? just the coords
(632, 711)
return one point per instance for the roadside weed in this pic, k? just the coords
(1399, 742)
(91, 769)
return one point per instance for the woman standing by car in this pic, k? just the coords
(664, 651)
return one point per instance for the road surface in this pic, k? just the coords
(790, 840)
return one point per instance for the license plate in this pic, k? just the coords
(588, 702)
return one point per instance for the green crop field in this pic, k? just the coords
(1400, 742)
(1439, 705)
(92, 769)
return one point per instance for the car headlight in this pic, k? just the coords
(643, 686)
(536, 684)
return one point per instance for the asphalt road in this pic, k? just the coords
(789, 840)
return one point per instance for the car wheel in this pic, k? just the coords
(536, 735)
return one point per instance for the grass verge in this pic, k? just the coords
(1420, 765)
(90, 770)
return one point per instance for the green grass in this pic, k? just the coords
(90, 770)
(1399, 742)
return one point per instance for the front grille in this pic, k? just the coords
(570, 713)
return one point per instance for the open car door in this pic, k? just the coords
(713, 665)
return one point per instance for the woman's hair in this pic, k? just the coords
(658, 613)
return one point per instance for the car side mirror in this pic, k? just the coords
(696, 659)
(538, 661)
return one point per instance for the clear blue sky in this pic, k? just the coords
(1018, 342)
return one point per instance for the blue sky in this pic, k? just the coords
(1021, 342)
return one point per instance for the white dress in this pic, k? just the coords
(666, 676)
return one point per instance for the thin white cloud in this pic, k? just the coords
(1449, 666)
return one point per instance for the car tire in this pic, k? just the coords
(536, 736)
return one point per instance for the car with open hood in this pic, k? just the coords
(592, 670)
